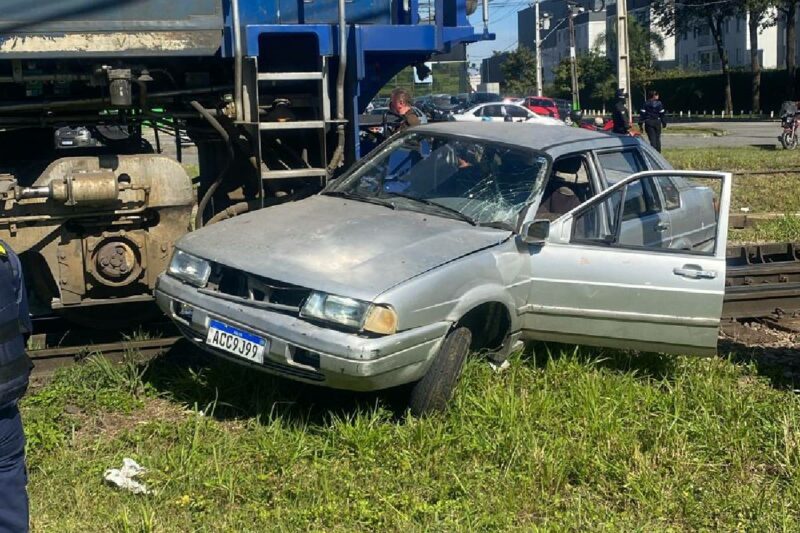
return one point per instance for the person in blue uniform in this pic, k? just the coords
(15, 367)
(652, 118)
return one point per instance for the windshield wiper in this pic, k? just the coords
(359, 198)
(497, 224)
(436, 205)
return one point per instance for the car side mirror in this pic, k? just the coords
(535, 232)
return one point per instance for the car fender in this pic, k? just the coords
(483, 294)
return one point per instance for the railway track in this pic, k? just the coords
(56, 343)
(762, 282)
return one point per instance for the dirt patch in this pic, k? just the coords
(111, 424)
(767, 346)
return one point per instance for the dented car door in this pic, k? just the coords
(596, 282)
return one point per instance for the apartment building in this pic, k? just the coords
(692, 50)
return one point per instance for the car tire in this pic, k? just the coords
(432, 393)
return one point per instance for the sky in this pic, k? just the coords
(502, 22)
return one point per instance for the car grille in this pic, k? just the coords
(273, 294)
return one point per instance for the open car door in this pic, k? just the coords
(598, 279)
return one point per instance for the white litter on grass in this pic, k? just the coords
(744, 209)
(499, 367)
(123, 477)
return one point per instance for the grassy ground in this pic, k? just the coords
(563, 440)
(566, 439)
(773, 193)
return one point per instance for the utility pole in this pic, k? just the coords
(542, 23)
(538, 53)
(623, 57)
(573, 59)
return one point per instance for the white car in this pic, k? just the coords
(500, 112)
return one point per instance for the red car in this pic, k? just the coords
(542, 105)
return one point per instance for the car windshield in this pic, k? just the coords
(475, 180)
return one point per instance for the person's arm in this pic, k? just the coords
(662, 114)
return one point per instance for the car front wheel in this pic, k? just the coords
(432, 393)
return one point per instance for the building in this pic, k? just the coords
(491, 68)
(690, 50)
(698, 51)
(555, 40)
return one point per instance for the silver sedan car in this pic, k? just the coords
(454, 239)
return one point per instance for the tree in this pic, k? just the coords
(676, 17)
(756, 13)
(596, 80)
(788, 9)
(519, 72)
(645, 46)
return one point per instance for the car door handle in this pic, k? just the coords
(662, 226)
(694, 272)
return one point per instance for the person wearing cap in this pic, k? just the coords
(619, 115)
(652, 118)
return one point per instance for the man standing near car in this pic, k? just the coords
(400, 104)
(15, 367)
(619, 115)
(652, 118)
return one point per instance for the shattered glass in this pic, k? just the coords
(484, 182)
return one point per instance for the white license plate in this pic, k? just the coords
(236, 341)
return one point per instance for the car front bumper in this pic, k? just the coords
(304, 351)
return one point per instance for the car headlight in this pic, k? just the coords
(189, 268)
(350, 312)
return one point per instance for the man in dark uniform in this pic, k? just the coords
(400, 104)
(652, 118)
(619, 114)
(15, 367)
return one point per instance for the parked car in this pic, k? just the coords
(541, 105)
(439, 107)
(499, 112)
(483, 98)
(457, 238)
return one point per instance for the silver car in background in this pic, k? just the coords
(458, 238)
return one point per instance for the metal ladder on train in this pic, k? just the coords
(259, 128)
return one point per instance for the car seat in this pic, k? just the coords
(566, 189)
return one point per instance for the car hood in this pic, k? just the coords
(337, 245)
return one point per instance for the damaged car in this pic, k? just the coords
(452, 239)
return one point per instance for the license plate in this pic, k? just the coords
(236, 341)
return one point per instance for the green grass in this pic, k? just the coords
(563, 440)
(784, 229)
(772, 193)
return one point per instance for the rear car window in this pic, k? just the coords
(620, 164)
(671, 194)
(640, 200)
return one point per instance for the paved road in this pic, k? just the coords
(739, 134)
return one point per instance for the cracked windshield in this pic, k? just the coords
(480, 182)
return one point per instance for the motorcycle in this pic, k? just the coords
(790, 125)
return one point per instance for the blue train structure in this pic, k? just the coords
(269, 91)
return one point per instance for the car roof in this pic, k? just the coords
(555, 140)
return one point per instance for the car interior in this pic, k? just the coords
(567, 188)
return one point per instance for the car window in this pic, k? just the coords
(620, 164)
(493, 111)
(478, 112)
(672, 197)
(620, 220)
(516, 112)
(485, 181)
(641, 200)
